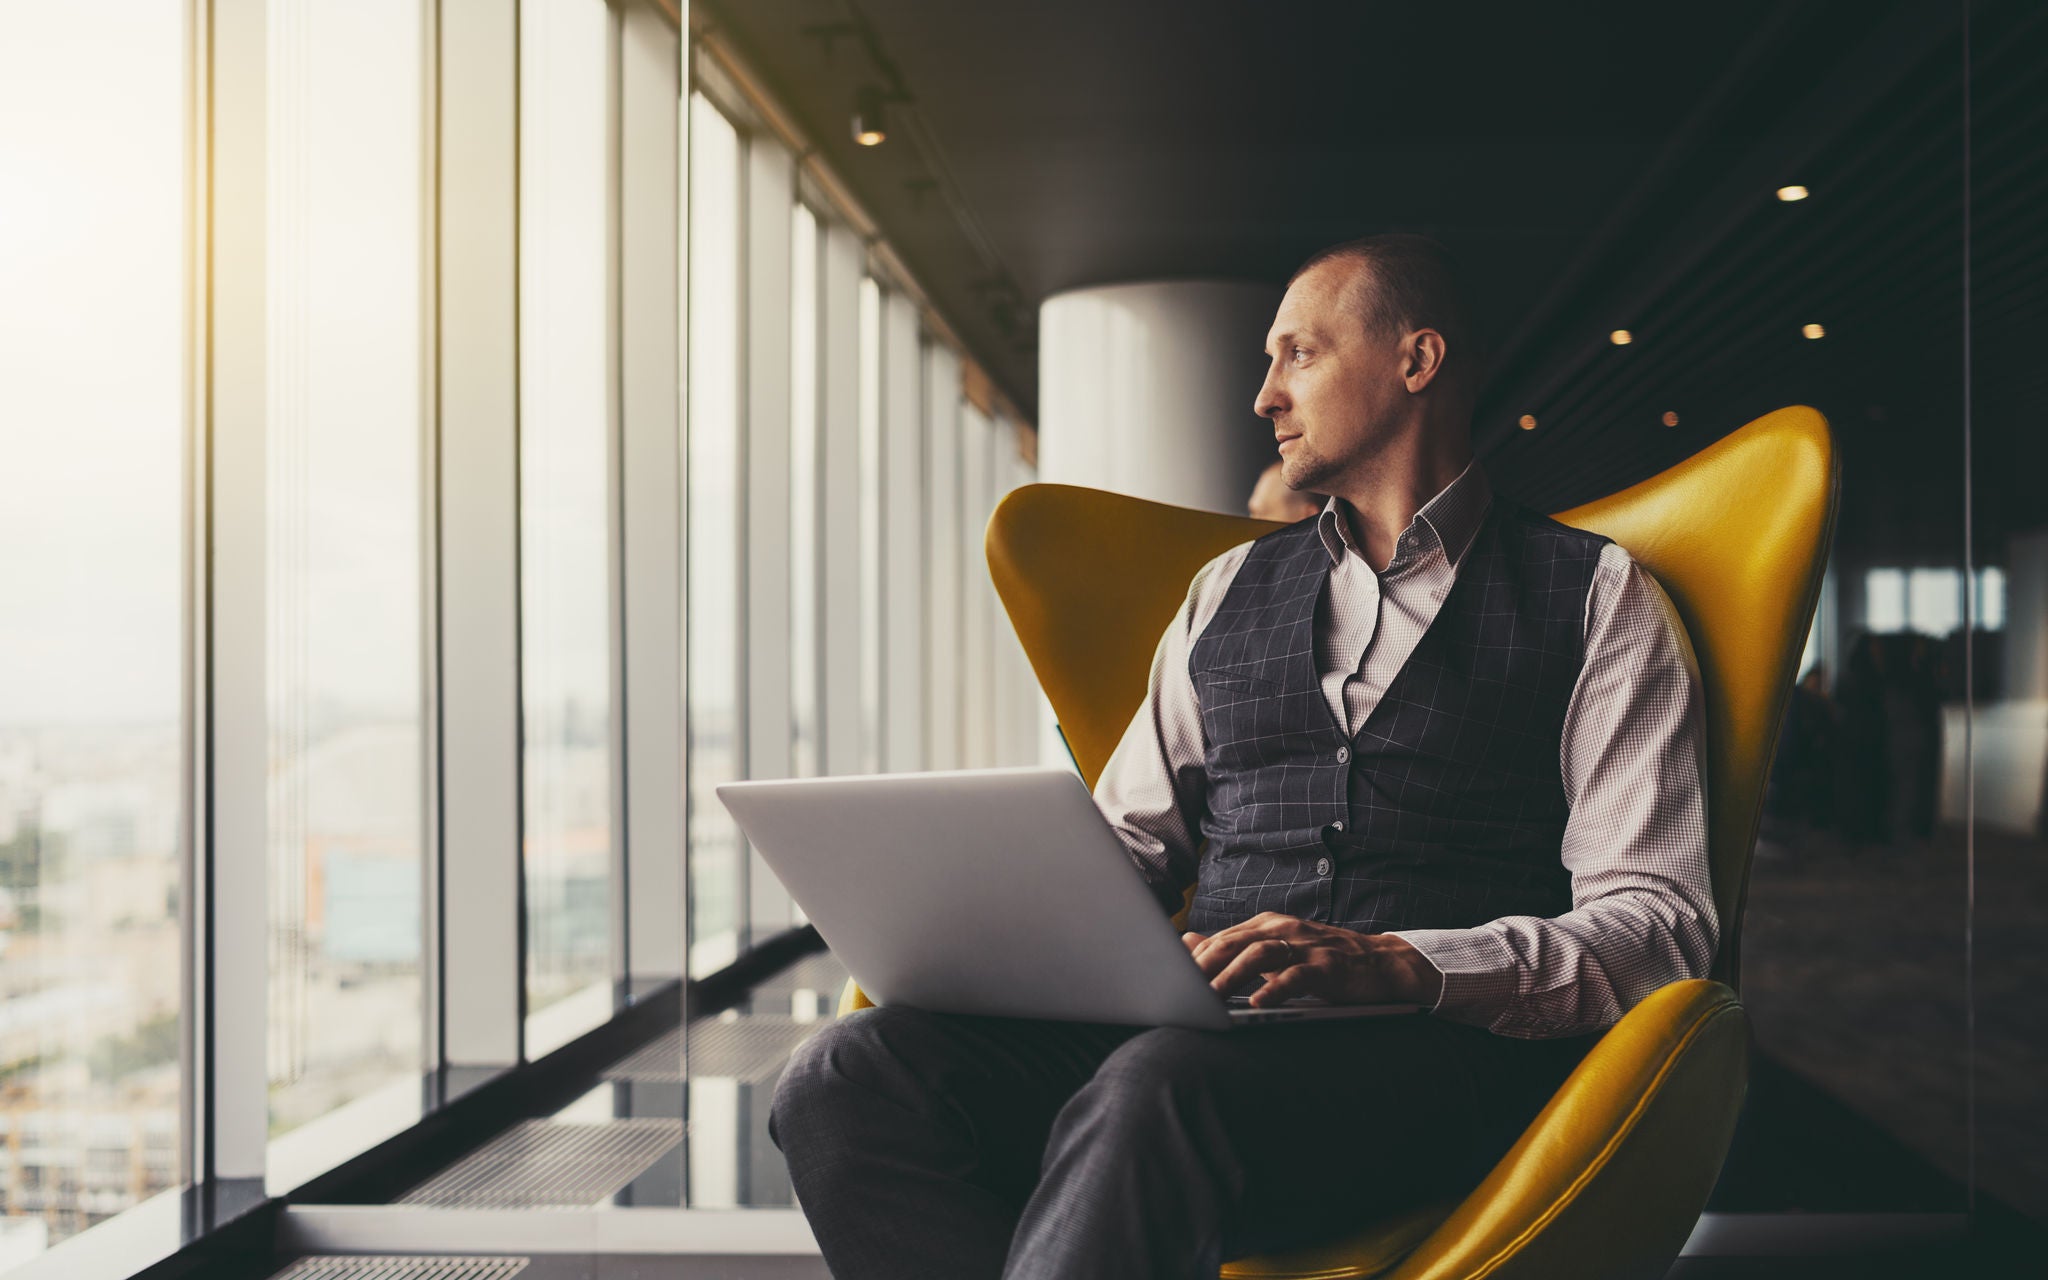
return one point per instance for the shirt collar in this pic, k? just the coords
(1447, 520)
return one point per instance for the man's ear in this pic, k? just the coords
(1425, 359)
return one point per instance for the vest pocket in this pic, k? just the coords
(1235, 678)
(1208, 912)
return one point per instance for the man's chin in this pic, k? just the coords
(1300, 472)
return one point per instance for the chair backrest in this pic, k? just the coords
(1737, 534)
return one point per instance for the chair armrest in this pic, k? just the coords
(851, 997)
(1610, 1177)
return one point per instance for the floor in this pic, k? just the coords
(1854, 973)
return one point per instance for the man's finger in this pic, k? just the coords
(1227, 942)
(1264, 955)
(1301, 980)
(1193, 941)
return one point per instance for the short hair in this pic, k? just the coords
(1414, 283)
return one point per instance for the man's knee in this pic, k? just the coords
(864, 1051)
(1161, 1078)
(1165, 1061)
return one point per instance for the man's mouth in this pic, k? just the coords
(1285, 440)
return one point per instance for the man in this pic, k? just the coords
(1442, 750)
(1272, 500)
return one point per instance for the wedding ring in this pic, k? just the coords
(1289, 962)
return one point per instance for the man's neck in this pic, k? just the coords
(1384, 504)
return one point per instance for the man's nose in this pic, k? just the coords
(1269, 401)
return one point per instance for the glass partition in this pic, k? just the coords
(1814, 256)
(2002, 781)
(346, 337)
(566, 441)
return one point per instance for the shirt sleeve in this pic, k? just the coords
(1154, 790)
(1634, 767)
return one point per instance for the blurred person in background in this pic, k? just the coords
(1272, 500)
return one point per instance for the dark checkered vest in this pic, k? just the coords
(1447, 809)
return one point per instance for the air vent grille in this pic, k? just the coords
(751, 1050)
(380, 1267)
(543, 1163)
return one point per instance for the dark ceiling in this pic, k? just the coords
(1594, 166)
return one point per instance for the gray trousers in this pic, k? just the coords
(944, 1145)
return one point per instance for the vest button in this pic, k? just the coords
(1338, 825)
(1343, 754)
(1322, 866)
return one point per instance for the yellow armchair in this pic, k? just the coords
(1610, 1177)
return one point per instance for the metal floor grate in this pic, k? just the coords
(819, 972)
(749, 1049)
(543, 1163)
(661, 1061)
(381, 1267)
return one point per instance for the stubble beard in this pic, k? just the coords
(1306, 469)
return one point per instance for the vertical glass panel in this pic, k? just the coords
(345, 337)
(803, 493)
(2008, 652)
(564, 460)
(93, 343)
(1797, 249)
(870, 525)
(717, 869)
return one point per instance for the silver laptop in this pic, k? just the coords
(991, 891)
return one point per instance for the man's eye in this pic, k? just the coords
(1298, 352)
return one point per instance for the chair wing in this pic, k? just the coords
(1090, 580)
(1737, 534)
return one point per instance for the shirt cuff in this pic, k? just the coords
(1478, 968)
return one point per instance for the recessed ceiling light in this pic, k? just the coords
(1621, 337)
(1789, 194)
(1670, 417)
(1528, 422)
(1813, 331)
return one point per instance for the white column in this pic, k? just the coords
(236, 865)
(650, 70)
(943, 553)
(1147, 389)
(977, 594)
(481, 899)
(903, 495)
(769, 203)
(839, 275)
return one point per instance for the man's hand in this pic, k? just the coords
(1338, 965)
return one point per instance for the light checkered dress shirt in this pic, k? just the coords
(1632, 759)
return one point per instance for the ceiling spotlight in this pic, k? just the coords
(1789, 194)
(1528, 422)
(1813, 331)
(1621, 337)
(867, 117)
(1670, 417)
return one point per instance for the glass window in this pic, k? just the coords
(1990, 602)
(803, 493)
(345, 336)
(716, 868)
(93, 249)
(565, 565)
(1934, 600)
(1884, 600)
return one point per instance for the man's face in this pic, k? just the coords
(1331, 389)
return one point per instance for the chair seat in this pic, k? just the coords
(1371, 1252)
